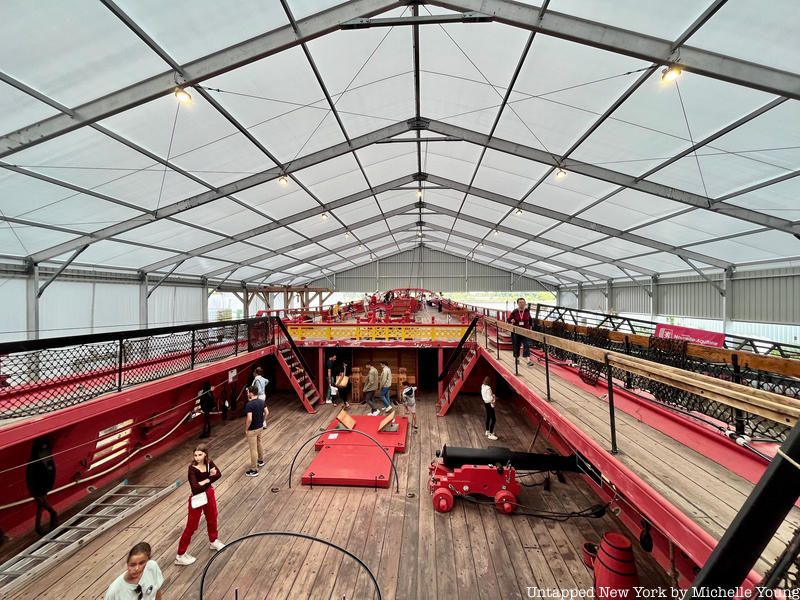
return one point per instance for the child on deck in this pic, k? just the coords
(410, 401)
(141, 581)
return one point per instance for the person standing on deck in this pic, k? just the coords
(207, 404)
(489, 400)
(261, 383)
(521, 317)
(386, 385)
(142, 579)
(202, 473)
(330, 369)
(410, 401)
(254, 424)
(370, 387)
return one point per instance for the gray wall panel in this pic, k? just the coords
(593, 299)
(631, 299)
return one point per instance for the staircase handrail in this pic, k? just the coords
(293, 346)
(457, 354)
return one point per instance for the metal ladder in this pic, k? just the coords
(119, 503)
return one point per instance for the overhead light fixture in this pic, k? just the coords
(419, 234)
(496, 232)
(671, 73)
(361, 247)
(183, 96)
(324, 216)
(346, 234)
(283, 180)
(560, 173)
(519, 211)
(419, 193)
(481, 244)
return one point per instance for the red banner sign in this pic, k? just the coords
(691, 335)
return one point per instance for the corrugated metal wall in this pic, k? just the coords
(630, 296)
(690, 297)
(768, 296)
(429, 269)
(593, 299)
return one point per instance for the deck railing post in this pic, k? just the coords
(193, 351)
(547, 368)
(120, 358)
(611, 416)
(739, 418)
(497, 347)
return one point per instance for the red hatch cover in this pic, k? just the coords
(365, 466)
(368, 425)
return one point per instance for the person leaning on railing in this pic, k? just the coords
(521, 317)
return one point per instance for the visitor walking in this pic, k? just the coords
(255, 417)
(142, 579)
(370, 387)
(386, 385)
(489, 400)
(207, 404)
(202, 473)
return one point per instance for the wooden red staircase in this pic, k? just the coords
(301, 380)
(457, 381)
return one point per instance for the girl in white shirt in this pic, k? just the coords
(141, 581)
(488, 403)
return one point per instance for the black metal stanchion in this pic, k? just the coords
(754, 526)
(547, 368)
(628, 375)
(516, 365)
(612, 418)
(497, 330)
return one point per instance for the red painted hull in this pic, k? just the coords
(98, 441)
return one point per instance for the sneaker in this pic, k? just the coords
(374, 413)
(328, 402)
(216, 545)
(486, 433)
(251, 473)
(260, 463)
(184, 559)
(531, 363)
(492, 436)
(387, 409)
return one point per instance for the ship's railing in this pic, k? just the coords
(40, 376)
(364, 332)
(766, 371)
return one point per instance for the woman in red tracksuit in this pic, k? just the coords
(202, 473)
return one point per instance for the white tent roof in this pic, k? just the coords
(320, 136)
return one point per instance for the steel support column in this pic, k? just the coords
(32, 302)
(143, 307)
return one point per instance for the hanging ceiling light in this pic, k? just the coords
(519, 211)
(283, 180)
(560, 173)
(346, 235)
(360, 247)
(671, 73)
(496, 232)
(419, 193)
(183, 96)
(324, 216)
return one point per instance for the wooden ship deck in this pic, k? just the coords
(471, 552)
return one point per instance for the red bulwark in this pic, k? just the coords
(369, 425)
(365, 466)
